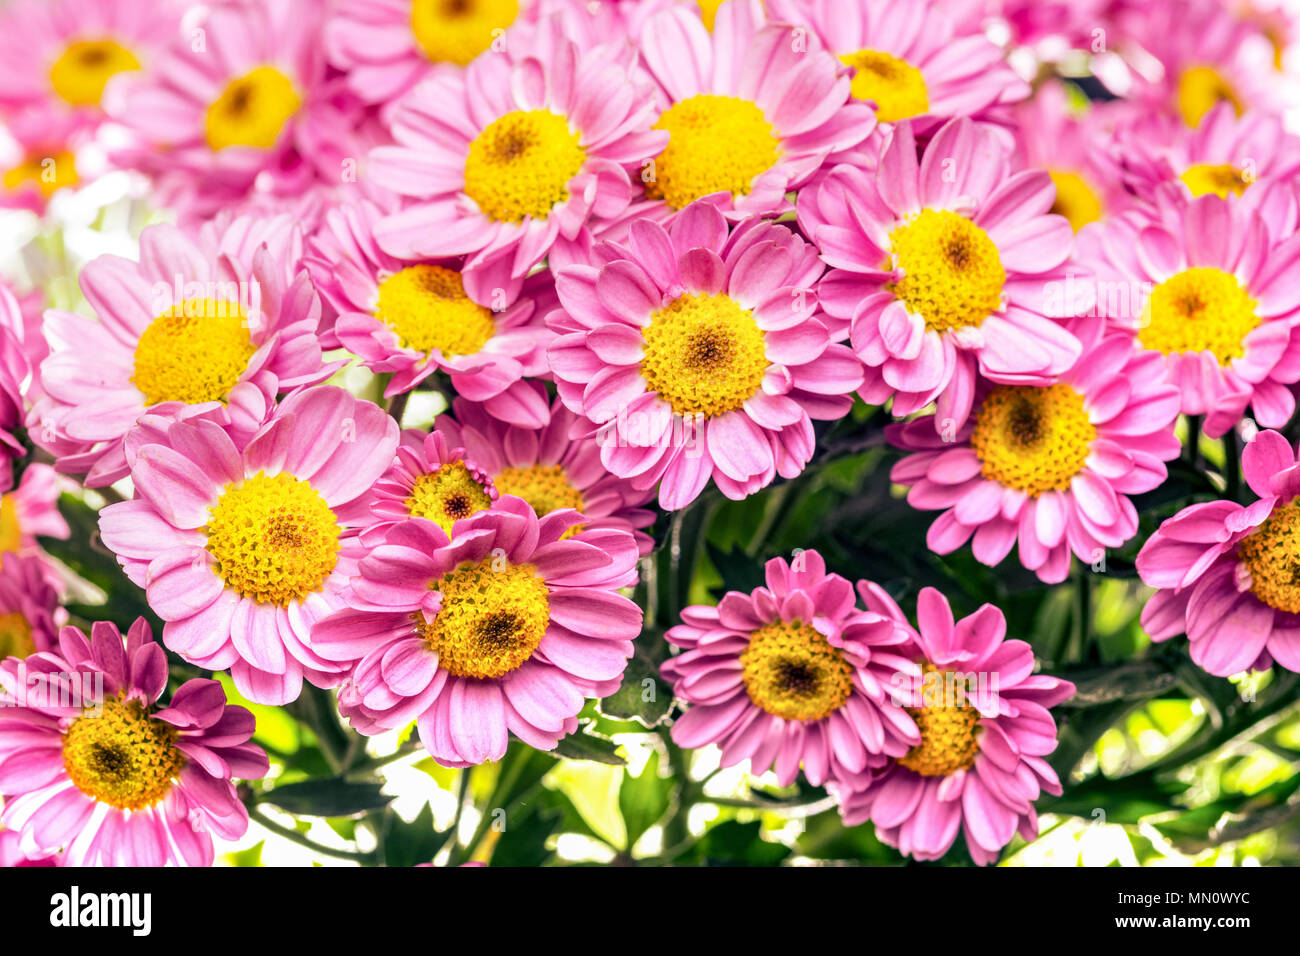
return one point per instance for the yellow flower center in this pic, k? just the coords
(275, 540)
(1032, 439)
(195, 352)
(791, 671)
(252, 110)
(520, 166)
(122, 757)
(49, 172)
(11, 533)
(15, 636)
(948, 735)
(895, 86)
(545, 487)
(1075, 199)
(1272, 554)
(1199, 89)
(428, 309)
(703, 354)
(1199, 310)
(490, 622)
(456, 31)
(716, 144)
(952, 276)
(447, 495)
(85, 67)
(1219, 180)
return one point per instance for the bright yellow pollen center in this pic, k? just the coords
(952, 276)
(704, 354)
(895, 86)
(1272, 555)
(15, 636)
(709, 12)
(195, 352)
(1199, 89)
(447, 495)
(1199, 310)
(252, 110)
(1075, 199)
(491, 621)
(1032, 439)
(545, 487)
(426, 306)
(123, 757)
(456, 31)
(49, 172)
(716, 144)
(948, 736)
(1220, 180)
(80, 74)
(520, 166)
(275, 540)
(791, 671)
(11, 534)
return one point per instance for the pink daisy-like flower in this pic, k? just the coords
(941, 265)
(187, 324)
(553, 467)
(243, 545)
(94, 767)
(701, 353)
(15, 379)
(506, 629)
(31, 511)
(40, 155)
(793, 676)
(1226, 573)
(514, 160)
(11, 853)
(1210, 290)
(1051, 466)
(985, 728)
(753, 109)
(412, 319)
(30, 615)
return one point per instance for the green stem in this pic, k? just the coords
(1232, 465)
(511, 767)
(397, 406)
(1194, 439)
(303, 841)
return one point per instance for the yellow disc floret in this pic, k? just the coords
(252, 110)
(11, 533)
(716, 144)
(274, 538)
(952, 276)
(195, 352)
(895, 86)
(456, 31)
(493, 617)
(447, 495)
(520, 166)
(84, 68)
(50, 173)
(1221, 180)
(1075, 199)
(122, 757)
(791, 671)
(1031, 438)
(1272, 555)
(15, 636)
(427, 307)
(948, 735)
(1199, 310)
(1199, 89)
(704, 354)
(545, 487)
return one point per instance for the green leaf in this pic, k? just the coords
(644, 800)
(409, 844)
(327, 798)
(643, 696)
(586, 746)
(523, 842)
(735, 844)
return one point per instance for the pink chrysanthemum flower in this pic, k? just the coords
(515, 159)
(40, 155)
(701, 354)
(553, 467)
(985, 729)
(412, 319)
(1050, 466)
(193, 319)
(1226, 572)
(1209, 289)
(753, 109)
(94, 767)
(30, 615)
(942, 266)
(242, 546)
(793, 675)
(15, 380)
(506, 629)
(11, 853)
(31, 511)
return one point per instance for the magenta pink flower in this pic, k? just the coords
(412, 319)
(41, 155)
(985, 729)
(942, 267)
(95, 768)
(506, 629)
(15, 380)
(193, 319)
(31, 511)
(1225, 571)
(793, 675)
(30, 615)
(242, 545)
(701, 354)
(11, 853)
(1051, 466)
